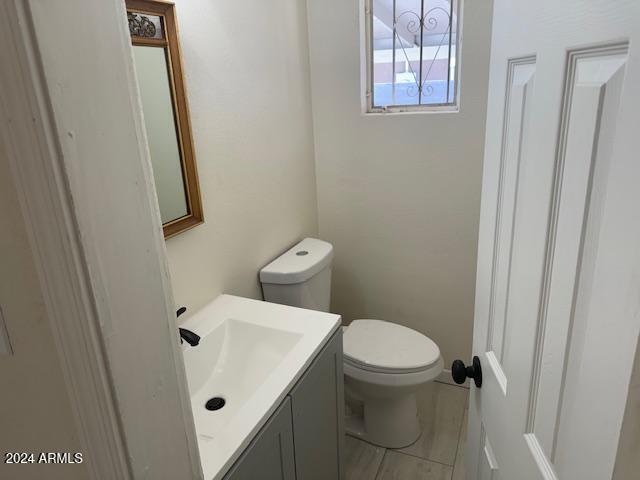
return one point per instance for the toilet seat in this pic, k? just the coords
(383, 347)
(382, 370)
(410, 379)
(379, 369)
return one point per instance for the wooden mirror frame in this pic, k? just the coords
(166, 11)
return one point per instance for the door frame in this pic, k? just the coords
(105, 304)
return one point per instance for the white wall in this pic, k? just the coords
(35, 411)
(247, 78)
(399, 195)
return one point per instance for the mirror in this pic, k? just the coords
(156, 54)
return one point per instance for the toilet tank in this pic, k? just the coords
(300, 277)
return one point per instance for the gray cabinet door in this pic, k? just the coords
(317, 402)
(270, 454)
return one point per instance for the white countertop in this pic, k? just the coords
(251, 353)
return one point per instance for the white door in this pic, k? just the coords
(558, 286)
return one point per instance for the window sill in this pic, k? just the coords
(408, 110)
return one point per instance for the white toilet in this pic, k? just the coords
(384, 363)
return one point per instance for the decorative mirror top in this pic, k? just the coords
(145, 26)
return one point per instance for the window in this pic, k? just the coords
(411, 54)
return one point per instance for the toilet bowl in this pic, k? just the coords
(384, 363)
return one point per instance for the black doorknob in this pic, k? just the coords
(460, 372)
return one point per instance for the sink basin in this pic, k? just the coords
(232, 362)
(250, 355)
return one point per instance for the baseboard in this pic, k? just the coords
(445, 377)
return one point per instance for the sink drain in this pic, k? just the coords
(215, 403)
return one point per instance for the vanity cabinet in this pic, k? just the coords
(304, 438)
(270, 455)
(317, 404)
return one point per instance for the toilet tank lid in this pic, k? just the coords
(299, 263)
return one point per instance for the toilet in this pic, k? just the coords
(384, 363)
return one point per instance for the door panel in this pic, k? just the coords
(592, 98)
(489, 469)
(558, 284)
(518, 97)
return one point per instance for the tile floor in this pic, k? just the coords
(437, 455)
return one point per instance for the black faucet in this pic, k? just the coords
(190, 337)
(187, 335)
